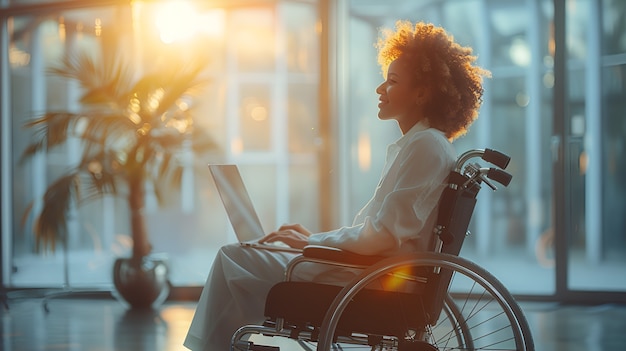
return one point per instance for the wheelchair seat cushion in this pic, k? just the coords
(371, 311)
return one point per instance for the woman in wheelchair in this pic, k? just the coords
(432, 89)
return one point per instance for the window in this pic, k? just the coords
(260, 108)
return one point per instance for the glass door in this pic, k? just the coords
(594, 202)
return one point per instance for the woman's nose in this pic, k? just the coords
(379, 89)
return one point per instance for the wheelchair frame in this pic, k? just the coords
(487, 317)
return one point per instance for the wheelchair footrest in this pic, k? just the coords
(416, 346)
(263, 348)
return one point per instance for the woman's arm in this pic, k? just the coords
(405, 200)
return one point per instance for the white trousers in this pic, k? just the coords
(235, 291)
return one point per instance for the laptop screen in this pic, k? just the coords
(237, 202)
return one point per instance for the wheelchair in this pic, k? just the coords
(453, 304)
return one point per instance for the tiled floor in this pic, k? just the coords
(106, 325)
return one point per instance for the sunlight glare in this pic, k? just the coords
(364, 152)
(397, 279)
(179, 20)
(175, 21)
(236, 146)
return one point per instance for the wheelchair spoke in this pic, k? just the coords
(485, 320)
(482, 320)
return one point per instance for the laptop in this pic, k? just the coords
(241, 213)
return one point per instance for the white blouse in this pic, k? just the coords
(401, 214)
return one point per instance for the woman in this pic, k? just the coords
(433, 91)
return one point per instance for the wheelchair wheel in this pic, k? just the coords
(478, 314)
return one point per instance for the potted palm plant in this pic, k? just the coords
(132, 129)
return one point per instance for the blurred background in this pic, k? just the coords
(290, 99)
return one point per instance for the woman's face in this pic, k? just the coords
(399, 96)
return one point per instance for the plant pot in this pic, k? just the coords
(142, 283)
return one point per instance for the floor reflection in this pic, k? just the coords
(140, 330)
(107, 325)
(92, 324)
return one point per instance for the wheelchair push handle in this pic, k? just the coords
(477, 174)
(490, 155)
(499, 176)
(496, 157)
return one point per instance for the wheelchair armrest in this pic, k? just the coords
(334, 254)
(331, 256)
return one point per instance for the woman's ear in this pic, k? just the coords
(421, 95)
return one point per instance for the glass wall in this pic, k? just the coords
(259, 107)
(595, 133)
(513, 228)
(262, 109)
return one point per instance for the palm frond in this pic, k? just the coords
(171, 85)
(97, 185)
(184, 83)
(103, 169)
(76, 67)
(106, 129)
(51, 223)
(102, 95)
(80, 67)
(80, 185)
(104, 80)
(52, 129)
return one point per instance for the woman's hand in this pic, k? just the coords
(294, 235)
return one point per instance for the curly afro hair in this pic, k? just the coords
(446, 68)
